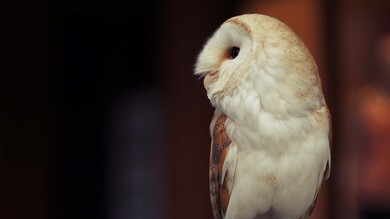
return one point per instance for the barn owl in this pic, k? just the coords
(270, 133)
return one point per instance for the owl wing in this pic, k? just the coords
(326, 173)
(330, 136)
(220, 145)
(311, 208)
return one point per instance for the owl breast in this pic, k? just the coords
(272, 169)
(279, 153)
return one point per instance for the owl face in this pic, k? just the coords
(256, 56)
(224, 59)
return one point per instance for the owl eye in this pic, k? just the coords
(234, 51)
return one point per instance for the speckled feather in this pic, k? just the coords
(220, 144)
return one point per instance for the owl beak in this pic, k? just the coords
(209, 79)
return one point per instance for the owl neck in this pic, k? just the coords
(255, 127)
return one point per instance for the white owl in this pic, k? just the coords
(270, 148)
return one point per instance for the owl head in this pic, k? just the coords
(258, 55)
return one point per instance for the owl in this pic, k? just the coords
(271, 129)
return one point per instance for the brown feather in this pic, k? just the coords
(220, 143)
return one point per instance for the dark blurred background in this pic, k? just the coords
(101, 117)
